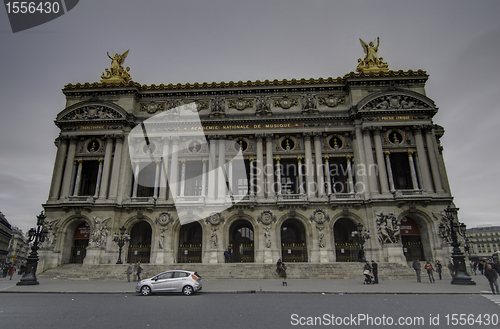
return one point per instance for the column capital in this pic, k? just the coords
(183, 161)
(377, 130)
(119, 137)
(387, 153)
(299, 159)
(417, 129)
(317, 135)
(100, 161)
(278, 159)
(366, 130)
(204, 161)
(410, 153)
(348, 158)
(326, 158)
(307, 135)
(251, 160)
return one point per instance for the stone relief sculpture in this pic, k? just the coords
(331, 101)
(164, 218)
(215, 219)
(388, 228)
(309, 104)
(213, 238)
(161, 241)
(262, 106)
(99, 234)
(321, 237)
(267, 237)
(51, 239)
(92, 112)
(319, 216)
(218, 107)
(371, 62)
(266, 217)
(394, 102)
(116, 73)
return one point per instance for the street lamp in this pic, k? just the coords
(453, 230)
(121, 239)
(37, 235)
(360, 236)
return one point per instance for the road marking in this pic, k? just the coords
(5, 286)
(494, 298)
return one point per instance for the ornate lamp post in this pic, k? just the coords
(361, 236)
(453, 230)
(36, 236)
(121, 239)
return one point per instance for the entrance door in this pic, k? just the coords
(190, 240)
(80, 243)
(139, 249)
(410, 237)
(293, 241)
(346, 250)
(241, 244)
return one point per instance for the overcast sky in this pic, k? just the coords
(456, 42)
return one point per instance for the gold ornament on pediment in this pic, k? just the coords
(371, 62)
(116, 73)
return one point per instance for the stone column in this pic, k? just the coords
(382, 175)
(211, 169)
(433, 160)
(301, 179)
(106, 168)
(115, 170)
(174, 168)
(422, 159)
(360, 159)
(204, 178)
(157, 179)
(230, 176)
(62, 149)
(389, 171)
(252, 177)
(413, 172)
(221, 184)
(320, 178)
(78, 178)
(164, 172)
(309, 166)
(260, 168)
(349, 172)
(269, 167)
(183, 178)
(278, 176)
(99, 178)
(68, 172)
(328, 177)
(136, 179)
(372, 180)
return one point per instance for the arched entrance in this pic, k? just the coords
(139, 249)
(190, 242)
(293, 241)
(80, 243)
(346, 250)
(241, 242)
(412, 242)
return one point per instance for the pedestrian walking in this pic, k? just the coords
(474, 267)
(375, 272)
(139, 271)
(481, 267)
(5, 270)
(430, 271)
(282, 272)
(417, 267)
(439, 269)
(129, 271)
(492, 277)
(12, 270)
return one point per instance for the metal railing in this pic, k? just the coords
(139, 253)
(347, 252)
(189, 253)
(293, 252)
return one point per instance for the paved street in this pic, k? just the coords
(244, 311)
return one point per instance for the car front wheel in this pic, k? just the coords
(187, 290)
(145, 291)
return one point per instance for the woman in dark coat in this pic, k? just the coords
(282, 273)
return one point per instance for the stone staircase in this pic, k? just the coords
(232, 271)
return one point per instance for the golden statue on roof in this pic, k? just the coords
(117, 73)
(371, 62)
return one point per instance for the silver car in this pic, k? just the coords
(186, 282)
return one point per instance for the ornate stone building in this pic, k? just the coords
(5, 235)
(321, 157)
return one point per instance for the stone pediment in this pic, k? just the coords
(100, 111)
(395, 100)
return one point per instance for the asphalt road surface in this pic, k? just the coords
(235, 311)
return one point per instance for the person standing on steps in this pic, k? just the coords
(417, 267)
(439, 269)
(139, 271)
(375, 272)
(282, 272)
(129, 271)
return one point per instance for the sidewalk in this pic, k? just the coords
(296, 286)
